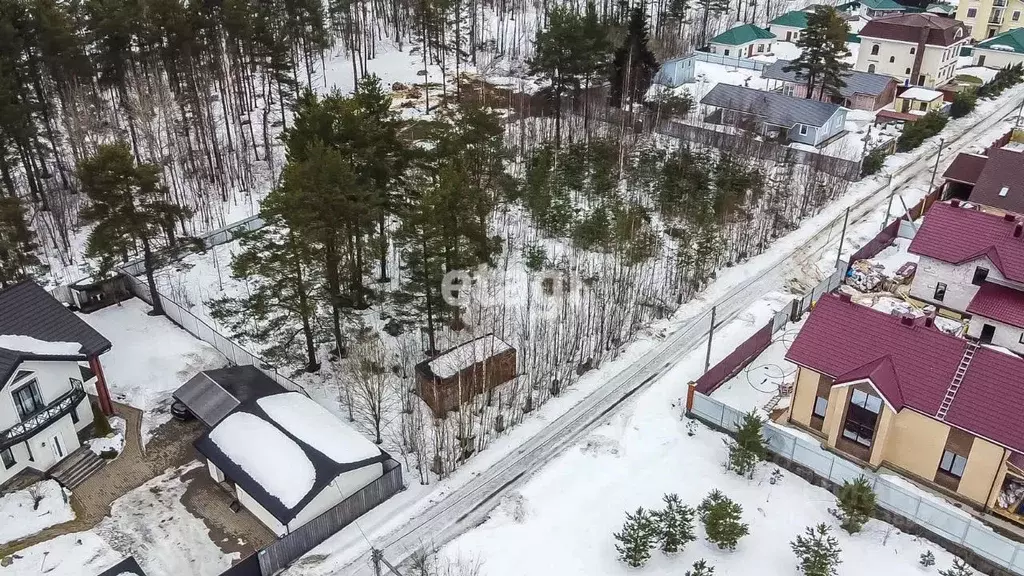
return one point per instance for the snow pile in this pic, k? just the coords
(314, 425)
(466, 355)
(32, 345)
(272, 459)
(77, 554)
(112, 443)
(20, 516)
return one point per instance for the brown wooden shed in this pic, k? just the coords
(453, 377)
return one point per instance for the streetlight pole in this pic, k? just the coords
(888, 207)
(935, 170)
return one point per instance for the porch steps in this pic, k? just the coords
(961, 370)
(77, 468)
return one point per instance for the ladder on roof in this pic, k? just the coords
(961, 370)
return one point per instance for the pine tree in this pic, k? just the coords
(820, 64)
(128, 206)
(675, 524)
(560, 58)
(633, 65)
(701, 568)
(818, 551)
(927, 559)
(17, 243)
(721, 518)
(676, 10)
(710, 8)
(856, 502)
(959, 568)
(636, 538)
(749, 447)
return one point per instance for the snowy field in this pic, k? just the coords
(642, 453)
(149, 523)
(28, 511)
(149, 359)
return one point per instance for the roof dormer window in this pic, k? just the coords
(1003, 191)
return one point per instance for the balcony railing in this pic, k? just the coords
(995, 17)
(999, 3)
(43, 418)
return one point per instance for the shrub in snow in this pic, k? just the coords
(817, 550)
(636, 538)
(674, 524)
(701, 568)
(100, 425)
(749, 447)
(691, 428)
(963, 103)
(927, 559)
(721, 519)
(856, 504)
(776, 477)
(959, 568)
(873, 162)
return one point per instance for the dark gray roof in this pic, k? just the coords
(213, 394)
(774, 108)
(26, 309)
(126, 566)
(326, 468)
(856, 82)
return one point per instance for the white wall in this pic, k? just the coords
(959, 289)
(39, 447)
(260, 512)
(53, 379)
(780, 32)
(938, 64)
(84, 411)
(215, 473)
(996, 58)
(1005, 335)
(345, 485)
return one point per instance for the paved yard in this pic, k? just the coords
(233, 531)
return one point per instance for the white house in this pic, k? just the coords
(44, 409)
(1006, 49)
(917, 49)
(789, 26)
(288, 459)
(972, 265)
(742, 41)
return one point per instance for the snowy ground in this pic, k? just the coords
(767, 376)
(21, 516)
(114, 442)
(642, 453)
(149, 523)
(149, 359)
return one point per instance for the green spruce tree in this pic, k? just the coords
(709, 8)
(749, 447)
(633, 65)
(560, 58)
(701, 568)
(722, 520)
(17, 243)
(959, 568)
(128, 207)
(818, 551)
(856, 504)
(675, 524)
(820, 65)
(635, 540)
(927, 559)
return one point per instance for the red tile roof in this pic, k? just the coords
(959, 235)
(999, 303)
(914, 366)
(1005, 168)
(965, 168)
(941, 31)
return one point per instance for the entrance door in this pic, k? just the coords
(788, 35)
(981, 60)
(987, 332)
(58, 450)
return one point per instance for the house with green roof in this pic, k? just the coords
(789, 26)
(941, 8)
(878, 8)
(1006, 49)
(742, 41)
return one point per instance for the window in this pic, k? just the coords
(908, 71)
(803, 130)
(760, 47)
(726, 51)
(913, 49)
(892, 59)
(861, 417)
(1021, 340)
(981, 60)
(940, 291)
(821, 405)
(874, 50)
(923, 106)
(953, 464)
(8, 458)
(980, 274)
(871, 68)
(789, 90)
(1015, 16)
(920, 80)
(27, 400)
(1003, 191)
(972, 12)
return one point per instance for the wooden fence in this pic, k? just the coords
(278, 555)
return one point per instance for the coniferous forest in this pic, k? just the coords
(130, 127)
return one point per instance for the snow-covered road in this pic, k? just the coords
(468, 506)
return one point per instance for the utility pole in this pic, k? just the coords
(711, 336)
(377, 556)
(842, 236)
(888, 207)
(942, 142)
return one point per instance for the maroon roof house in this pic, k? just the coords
(993, 180)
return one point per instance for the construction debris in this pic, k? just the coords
(865, 275)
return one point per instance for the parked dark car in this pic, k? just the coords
(180, 412)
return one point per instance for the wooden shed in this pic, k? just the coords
(453, 377)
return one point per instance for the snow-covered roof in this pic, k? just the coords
(267, 455)
(465, 355)
(314, 425)
(30, 345)
(921, 94)
(284, 449)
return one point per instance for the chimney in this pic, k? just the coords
(954, 203)
(1008, 217)
(1018, 230)
(929, 321)
(844, 297)
(907, 320)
